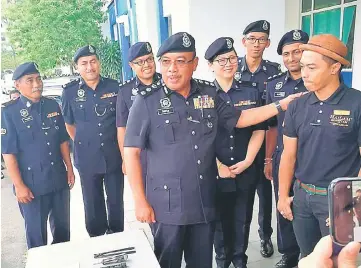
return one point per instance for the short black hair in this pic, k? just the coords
(13, 91)
(358, 191)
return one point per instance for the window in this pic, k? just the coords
(335, 17)
(115, 31)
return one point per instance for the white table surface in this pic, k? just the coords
(80, 254)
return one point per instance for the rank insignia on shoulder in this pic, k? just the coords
(3, 131)
(52, 114)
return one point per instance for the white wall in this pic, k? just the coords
(104, 27)
(292, 15)
(179, 10)
(356, 79)
(212, 19)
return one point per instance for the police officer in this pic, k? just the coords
(278, 87)
(235, 151)
(253, 68)
(88, 106)
(322, 132)
(141, 60)
(35, 147)
(176, 123)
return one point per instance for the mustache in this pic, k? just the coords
(35, 89)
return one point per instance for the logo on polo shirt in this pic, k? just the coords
(340, 118)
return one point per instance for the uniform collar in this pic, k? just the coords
(244, 67)
(82, 83)
(28, 103)
(333, 99)
(233, 86)
(289, 77)
(156, 78)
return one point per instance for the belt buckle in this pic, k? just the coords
(313, 187)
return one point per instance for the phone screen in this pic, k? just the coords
(345, 210)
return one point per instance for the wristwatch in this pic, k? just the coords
(278, 106)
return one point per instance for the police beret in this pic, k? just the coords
(260, 26)
(84, 51)
(139, 49)
(218, 47)
(24, 69)
(291, 37)
(179, 42)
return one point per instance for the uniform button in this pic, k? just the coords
(28, 126)
(201, 177)
(54, 121)
(50, 153)
(193, 132)
(217, 177)
(79, 142)
(232, 158)
(102, 144)
(165, 187)
(81, 105)
(321, 103)
(187, 102)
(320, 111)
(209, 116)
(111, 102)
(296, 88)
(100, 134)
(99, 124)
(95, 95)
(231, 137)
(48, 143)
(228, 102)
(96, 105)
(195, 147)
(29, 168)
(199, 162)
(318, 121)
(46, 133)
(167, 121)
(52, 163)
(231, 148)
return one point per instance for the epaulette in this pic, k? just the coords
(275, 76)
(126, 82)
(71, 83)
(8, 103)
(204, 82)
(274, 64)
(248, 83)
(150, 89)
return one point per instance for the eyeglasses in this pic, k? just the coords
(223, 61)
(253, 40)
(181, 63)
(142, 62)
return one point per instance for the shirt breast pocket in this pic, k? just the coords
(168, 125)
(25, 136)
(79, 111)
(209, 121)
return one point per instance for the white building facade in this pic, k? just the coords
(206, 20)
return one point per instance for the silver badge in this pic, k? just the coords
(264, 68)
(210, 124)
(91, 49)
(229, 43)
(254, 84)
(186, 41)
(148, 89)
(154, 86)
(296, 35)
(134, 91)
(237, 76)
(81, 93)
(24, 113)
(265, 26)
(149, 49)
(143, 93)
(165, 103)
(28, 104)
(279, 85)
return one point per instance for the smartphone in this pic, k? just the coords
(344, 196)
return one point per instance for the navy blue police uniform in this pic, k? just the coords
(33, 132)
(279, 87)
(130, 89)
(260, 76)
(96, 152)
(179, 136)
(317, 125)
(235, 197)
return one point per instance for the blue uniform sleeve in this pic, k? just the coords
(262, 125)
(66, 108)
(227, 114)
(63, 134)
(272, 122)
(9, 140)
(138, 125)
(122, 111)
(289, 128)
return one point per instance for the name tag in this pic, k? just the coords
(80, 99)
(341, 112)
(52, 114)
(279, 94)
(27, 119)
(165, 111)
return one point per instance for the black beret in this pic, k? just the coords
(218, 47)
(139, 49)
(179, 42)
(260, 26)
(84, 51)
(294, 36)
(24, 69)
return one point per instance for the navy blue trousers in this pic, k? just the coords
(309, 218)
(56, 207)
(286, 239)
(194, 241)
(97, 221)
